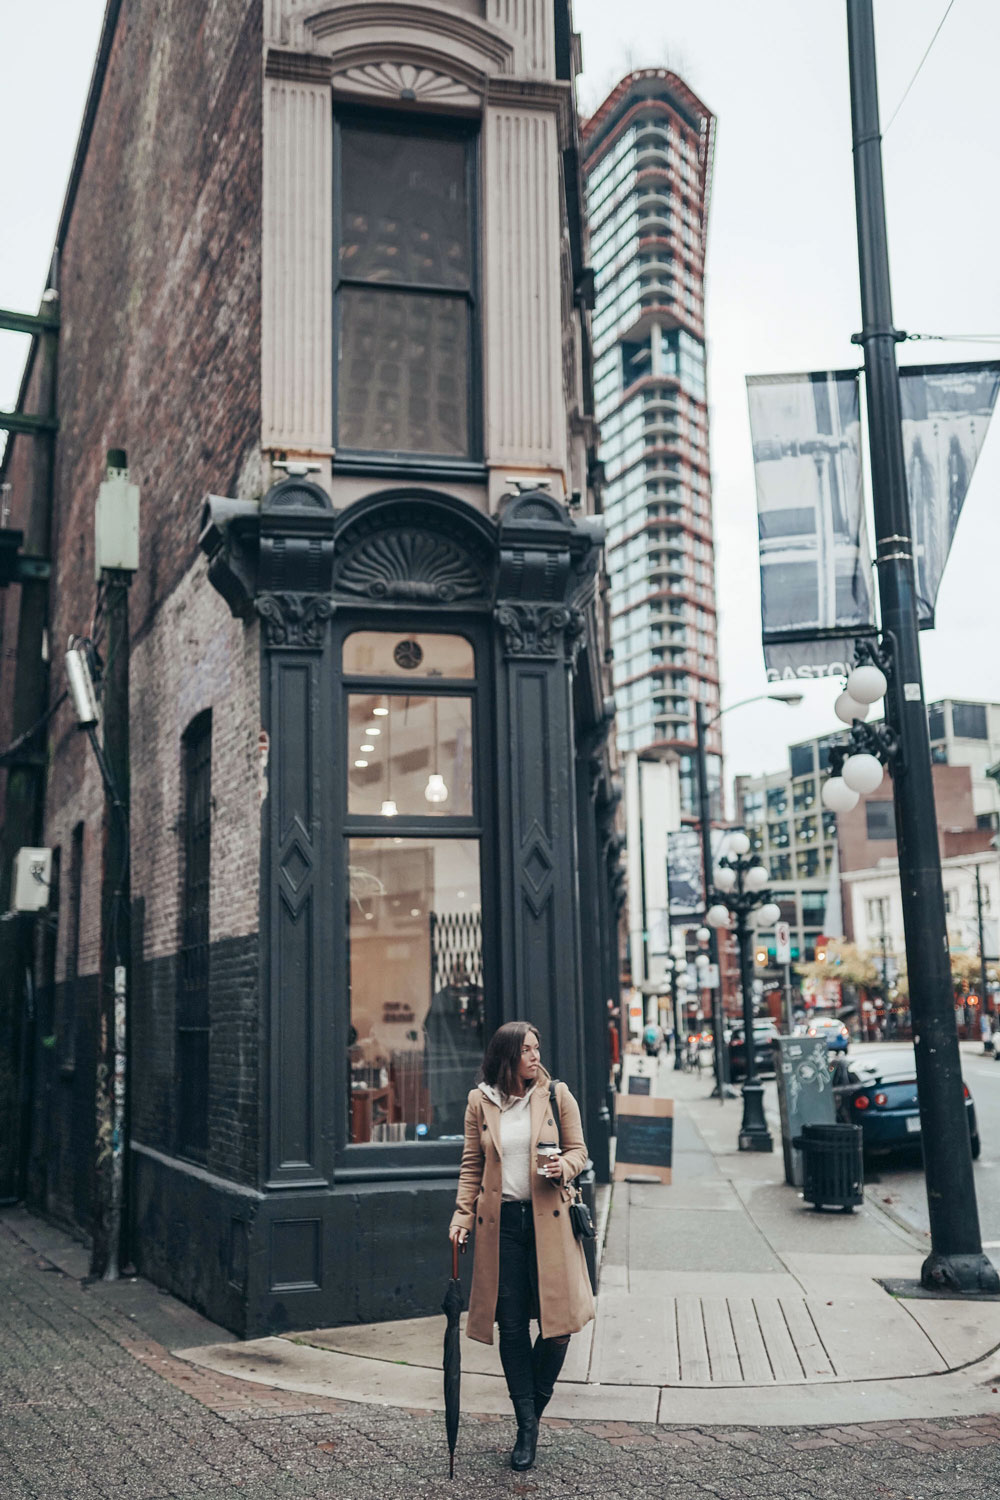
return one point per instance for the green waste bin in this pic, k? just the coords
(833, 1174)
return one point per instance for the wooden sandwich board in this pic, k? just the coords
(645, 1139)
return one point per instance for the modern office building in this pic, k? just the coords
(810, 851)
(647, 167)
(796, 837)
(968, 734)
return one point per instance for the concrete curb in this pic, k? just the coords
(973, 1391)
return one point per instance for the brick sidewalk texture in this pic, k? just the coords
(92, 1408)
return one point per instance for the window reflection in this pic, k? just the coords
(409, 756)
(416, 986)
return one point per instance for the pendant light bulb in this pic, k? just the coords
(435, 790)
(388, 808)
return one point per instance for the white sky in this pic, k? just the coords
(782, 265)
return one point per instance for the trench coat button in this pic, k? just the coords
(555, 1213)
(480, 1218)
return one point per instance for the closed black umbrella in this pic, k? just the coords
(452, 1308)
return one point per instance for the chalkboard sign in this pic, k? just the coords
(645, 1138)
(637, 1085)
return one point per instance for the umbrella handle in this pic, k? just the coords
(455, 1247)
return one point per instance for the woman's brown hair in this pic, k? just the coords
(503, 1056)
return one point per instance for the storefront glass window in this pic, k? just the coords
(409, 755)
(416, 985)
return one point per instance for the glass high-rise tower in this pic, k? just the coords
(647, 166)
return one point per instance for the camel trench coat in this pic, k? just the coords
(566, 1302)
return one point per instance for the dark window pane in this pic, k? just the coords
(813, 908)
(193, 968)
(935, 721)
(968, 721)
(405, 209)
(777, 800)
(881, 820)
(801, 760)
(403, 372)
(416, 972)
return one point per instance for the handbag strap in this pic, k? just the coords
(554, 1106)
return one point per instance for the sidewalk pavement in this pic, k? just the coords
(723, 1298)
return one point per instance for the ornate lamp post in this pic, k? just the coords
(678, 992)
(740, 882)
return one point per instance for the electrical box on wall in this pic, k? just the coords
(116, 519)
(32, 874)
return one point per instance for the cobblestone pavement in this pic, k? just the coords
(94, 1408)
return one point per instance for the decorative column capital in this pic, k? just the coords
(543, 631)
(294, 621)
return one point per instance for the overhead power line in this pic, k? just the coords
(885, 128)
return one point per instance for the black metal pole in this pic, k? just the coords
(956, 1260)
(110, 1249)
(675, 1002)
(982, 948)
(754, 1134)
(705, 823)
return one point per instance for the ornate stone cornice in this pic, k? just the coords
(294, 621)
(408, 565)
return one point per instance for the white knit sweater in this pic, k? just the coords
(515, 1141)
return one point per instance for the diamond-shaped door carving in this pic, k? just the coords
(295, 867)
(537, 868)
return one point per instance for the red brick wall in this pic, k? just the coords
(160, 354)
(952, 797)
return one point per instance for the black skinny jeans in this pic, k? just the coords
(529, 1372)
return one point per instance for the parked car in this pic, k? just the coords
(879, 1093)
(763, 1054)
(838, 1038)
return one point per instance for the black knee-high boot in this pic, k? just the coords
(547, 1359)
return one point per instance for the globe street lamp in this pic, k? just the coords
(740, 882)
(791, 697)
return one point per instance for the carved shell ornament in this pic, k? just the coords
(405, 81)
(414, 565)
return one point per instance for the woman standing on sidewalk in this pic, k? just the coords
(513, 1192)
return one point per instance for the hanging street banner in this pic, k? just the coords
(815, 561)
(686, 893)
(815, 569)
(687, 898)
(946, 410)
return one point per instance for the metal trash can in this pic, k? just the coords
(832, 1166)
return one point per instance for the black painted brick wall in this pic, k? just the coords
(232, 1102)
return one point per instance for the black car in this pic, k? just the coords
(879, 1093)
(764, 1033)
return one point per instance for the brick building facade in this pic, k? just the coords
(329, 264)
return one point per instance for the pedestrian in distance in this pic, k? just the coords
(523, 1146)
(652, 1039)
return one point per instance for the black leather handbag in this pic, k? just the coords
(579, 1213)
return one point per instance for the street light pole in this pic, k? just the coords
(956, 1260)
(740, 881)
(791, 700)
(705, 824)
